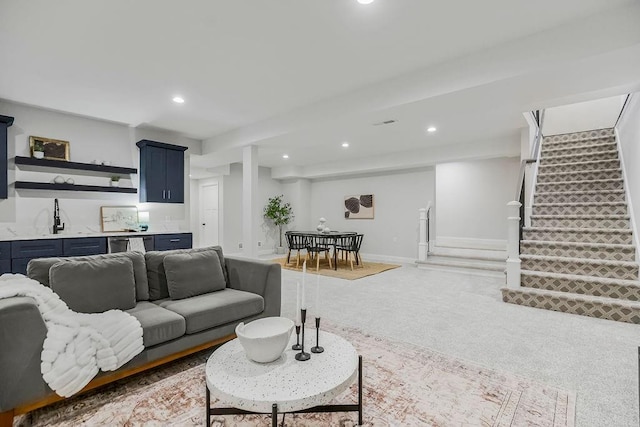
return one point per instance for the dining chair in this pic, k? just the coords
(296, 242)
(351, 247)
(317, 245)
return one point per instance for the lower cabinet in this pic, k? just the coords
(167, 242)
(84, 246)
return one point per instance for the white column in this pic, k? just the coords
(251, 212)
(422, 240)
(513, 245)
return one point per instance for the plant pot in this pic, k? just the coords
(38, 154)
(115, 183)
(280, 250)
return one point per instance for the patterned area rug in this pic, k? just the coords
(344, 269)
(404, 385)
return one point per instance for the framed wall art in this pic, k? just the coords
(359, 207)
(54, 149)
(119, 218)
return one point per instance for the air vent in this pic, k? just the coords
(386, 122)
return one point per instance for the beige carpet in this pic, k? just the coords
(404, 385)
(343, 271)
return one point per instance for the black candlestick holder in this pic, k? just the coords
(297, 345)
(302, 356)
(317, 348)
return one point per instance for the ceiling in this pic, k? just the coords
(301, 77)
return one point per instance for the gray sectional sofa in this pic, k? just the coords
(185, 300)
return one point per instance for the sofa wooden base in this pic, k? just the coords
(6, 418)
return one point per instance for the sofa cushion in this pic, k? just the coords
(157, 277)
(38, 269)
(214, 309)
(95, 286)
(158, 324)
(190, 274)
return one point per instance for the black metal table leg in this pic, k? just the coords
(274, 415)
(208, 396)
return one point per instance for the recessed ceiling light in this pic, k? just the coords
(365, 1)
(345, 145)
(178, 100)
(431, 129)
(285, 156)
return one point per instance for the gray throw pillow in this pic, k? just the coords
(156, 276)
(38, 269)
(95, 286)
(191, 274)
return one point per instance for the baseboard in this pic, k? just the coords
(492, 255)
(388, 258)
(471, 243)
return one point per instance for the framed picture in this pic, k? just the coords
(358, 207)
(119, 218)
(54, 149)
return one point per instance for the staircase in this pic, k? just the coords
(578, 255)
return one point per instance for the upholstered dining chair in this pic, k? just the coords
(318, 244)
(350, 245)
(296, 242)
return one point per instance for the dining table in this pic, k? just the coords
(333, 236)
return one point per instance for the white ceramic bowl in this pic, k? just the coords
(265, 339)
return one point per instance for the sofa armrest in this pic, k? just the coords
(259, 277)
(22, 333)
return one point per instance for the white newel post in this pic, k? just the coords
(513, 245)
(422, 239)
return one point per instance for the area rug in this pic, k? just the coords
(344, 269)
(404, 385)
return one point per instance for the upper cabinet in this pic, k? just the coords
(5, 123)
(161, 172)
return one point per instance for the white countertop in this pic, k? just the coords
(71, 235)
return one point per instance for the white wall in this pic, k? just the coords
(28, 212)
(629, 137)
(232, 209)
(596, 114)
(471, 199)
(397, 197)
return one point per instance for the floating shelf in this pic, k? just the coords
(60, 166)
(27, 185)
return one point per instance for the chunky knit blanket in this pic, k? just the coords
(77, 345)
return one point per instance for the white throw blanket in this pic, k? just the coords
(77, 345)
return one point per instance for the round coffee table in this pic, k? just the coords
(285, 385)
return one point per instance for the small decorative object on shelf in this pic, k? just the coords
(115, 181)
(58, 180)
(38, 149)
(52, 149)
(317, 348)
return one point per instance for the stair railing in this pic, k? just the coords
(519, 208)
(424, 221)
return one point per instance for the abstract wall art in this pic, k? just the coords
(359, 207)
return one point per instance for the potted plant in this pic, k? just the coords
(115, 181)
(38, 149)
(280, 214)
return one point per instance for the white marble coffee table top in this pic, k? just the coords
(241, 383)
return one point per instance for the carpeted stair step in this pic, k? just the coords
(614, 173)
(580, 196)
(585, 185)
(612, 252)
(585, 137)
(579, 166)
(581, 221)
(585, 285)
(623, 270)
(606, 208)
(584, 305)
(597, 146)
(586, 235)
(559, 159)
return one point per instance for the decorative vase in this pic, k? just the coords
(320, 226)
(115, 183)
(38, 154)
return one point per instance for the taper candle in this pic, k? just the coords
(304, 274)
(298, 320)
(317, 310)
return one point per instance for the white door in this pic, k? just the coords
(209, 215)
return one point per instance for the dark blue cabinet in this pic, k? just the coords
(161, 172)
(5, 123)
(5, 257)
(167, 242)
(84, 246)
(23, 251)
